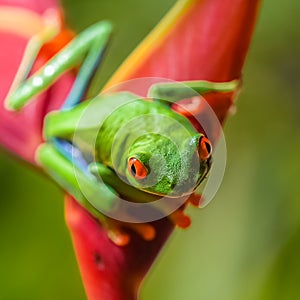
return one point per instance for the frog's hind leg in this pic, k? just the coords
(33, 48)
(84, 51)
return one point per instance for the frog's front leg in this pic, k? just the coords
(73, 180)
(83, 187)
(132, 194)
(172, 92)
(59, 129)
(175, 91)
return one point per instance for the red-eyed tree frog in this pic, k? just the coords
(140, 148)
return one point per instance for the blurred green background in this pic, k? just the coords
(246, 243)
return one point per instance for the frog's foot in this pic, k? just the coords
(119, 234)
(145, 230)
(196, 200)
(52, 47)
(63, 36)
(180, 219)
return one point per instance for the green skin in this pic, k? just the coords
(168, 150)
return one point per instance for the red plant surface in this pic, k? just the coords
(208, 40)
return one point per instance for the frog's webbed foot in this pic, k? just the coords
(179, 218)
(195, 200)
(50, 45)
(119, 232)
(51, 48)
(116, 233)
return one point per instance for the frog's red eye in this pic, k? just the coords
(136, 168)
(205, 148)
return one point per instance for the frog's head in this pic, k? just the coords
(157, 165)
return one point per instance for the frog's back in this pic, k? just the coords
(138, 116)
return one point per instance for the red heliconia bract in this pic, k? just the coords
(23, 142)
(207, 41)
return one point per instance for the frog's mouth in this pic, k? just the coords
(205, 173)
(185, 187)
(189, 185)
(175, 196)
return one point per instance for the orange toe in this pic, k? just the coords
(195, 200)
(146, 231)
(180, 219)
(118, 237)
(56, 44)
